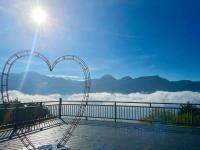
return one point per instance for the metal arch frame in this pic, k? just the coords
(8, 65)
(74, 123)
(84, 68)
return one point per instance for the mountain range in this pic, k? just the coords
(36, 83)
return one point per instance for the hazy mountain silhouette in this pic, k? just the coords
(41, 84)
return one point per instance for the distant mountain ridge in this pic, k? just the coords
(41, 84)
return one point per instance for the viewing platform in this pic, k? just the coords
(108, 135)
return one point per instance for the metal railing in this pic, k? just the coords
(166, 113)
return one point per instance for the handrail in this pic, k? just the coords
(136, 102)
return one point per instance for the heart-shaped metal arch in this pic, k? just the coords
(21, 54)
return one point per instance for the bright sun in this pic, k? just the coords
(39, 15)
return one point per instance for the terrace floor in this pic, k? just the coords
(107, 135)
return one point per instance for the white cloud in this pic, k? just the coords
(67, 77)
(159, 96)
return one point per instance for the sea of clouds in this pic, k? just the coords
(159, 96)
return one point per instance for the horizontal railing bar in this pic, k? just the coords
(49, 101)
(87, 105)
(90, 116)
(124, 102)
(136, 102)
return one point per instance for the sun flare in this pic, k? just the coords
(39, 15)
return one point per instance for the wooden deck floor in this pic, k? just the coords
(105, 135)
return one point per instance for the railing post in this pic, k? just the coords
(60, 107)
(192, 117)
(151, 112)
(41, 115)
(86, 118)
(115, 107)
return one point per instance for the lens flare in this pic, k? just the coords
(39, 15)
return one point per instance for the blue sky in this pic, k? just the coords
(118, 37)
